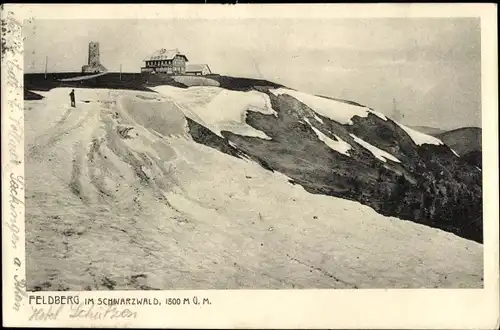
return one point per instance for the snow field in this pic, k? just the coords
(155, 209)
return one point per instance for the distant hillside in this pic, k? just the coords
(428, 130)
(463, 140)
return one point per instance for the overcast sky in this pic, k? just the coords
(432, 67)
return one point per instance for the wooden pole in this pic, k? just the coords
(46, 60)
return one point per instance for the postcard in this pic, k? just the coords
(250, 166)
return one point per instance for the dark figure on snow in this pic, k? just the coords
(72, 97)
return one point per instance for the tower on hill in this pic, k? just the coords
(94, 63)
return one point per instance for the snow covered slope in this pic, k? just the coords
(343, 113)
(337, 145)
(220, 109)
(420, 138)
(120, 194)
(340, 112)
(379, 154)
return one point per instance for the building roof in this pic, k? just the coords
(196, 67)
(164, 54)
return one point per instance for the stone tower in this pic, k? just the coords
(94, 63)
(94, 53)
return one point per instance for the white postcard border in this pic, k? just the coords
(415, 308)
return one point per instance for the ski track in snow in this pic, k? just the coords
(118, 201)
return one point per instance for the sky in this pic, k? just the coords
(430, 66)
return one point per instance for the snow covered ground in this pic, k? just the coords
(118, 196)
(220, 109)
(195, 81)
(420, 138)
(343, 113)
(378, 153)
(340, 112)
(339, 145)
(79, 78)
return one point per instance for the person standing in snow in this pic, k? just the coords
(72, 98)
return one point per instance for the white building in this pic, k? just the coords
(169, 61)
(198, 69)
